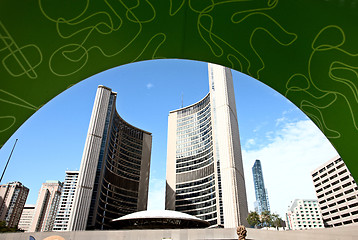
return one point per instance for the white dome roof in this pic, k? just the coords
(158, 214)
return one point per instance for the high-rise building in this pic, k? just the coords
(304, 214)
(12, 200)
(114, 174)
(205, 176)
(26, 217)
(66, 201)
(46, 206)
(337, 193)
(262, 202)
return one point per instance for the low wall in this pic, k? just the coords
(340, 233)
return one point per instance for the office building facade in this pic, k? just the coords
(262, 202)
(304, 214)
(205, 176)
(27, 217)
(337, 193)
(12, 201)
(46, 206)
(114, 174)
(66, 201)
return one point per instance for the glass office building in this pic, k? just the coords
(262, 202)
(205, 175)
(114, 174)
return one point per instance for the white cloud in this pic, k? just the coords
(295, 150)
(280, 121)
(149, 85)
(156, 194)
(250, 143)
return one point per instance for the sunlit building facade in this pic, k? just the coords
(205, 176)
(46, 206)
(26, 217)
(13, 196)
(304, 214)
(337, 193)
(262, 202)
(114, 174)
(66, 202)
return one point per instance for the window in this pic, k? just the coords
(342, 201)
(344, 178)
(339, 195)
(349, 191)
(346, 185)
(329, 165)
(336, 189)
(334, 183)
(338, 167)
(334, 211)
(334, 176)
(351, 198)
(322, 170)
(330, 198)
(343, 208)
(353, 205)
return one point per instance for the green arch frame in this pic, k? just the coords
(304, 49)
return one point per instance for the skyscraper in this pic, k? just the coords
(46, 206)
(262, 202)
(205, 176)
(66, 202)
(114, 174)
(12, 200)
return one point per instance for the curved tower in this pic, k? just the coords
(205, 176)
(114, 174)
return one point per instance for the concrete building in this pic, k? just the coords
(205, 176)
(12, 200)
(262, 202)
(304, 214)
(114, 174)
(46, 206)
(66, 201)
(26, 217)
(336, 192)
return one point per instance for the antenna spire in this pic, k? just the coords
(182, 105)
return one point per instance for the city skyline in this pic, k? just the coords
(266, 132)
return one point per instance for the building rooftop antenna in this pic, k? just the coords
(182, 105)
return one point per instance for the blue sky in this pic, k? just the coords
(271, 129)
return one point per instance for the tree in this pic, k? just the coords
(253, 219)
(276, 220)
(4, 228)
(266, 220)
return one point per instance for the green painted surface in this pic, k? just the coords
(304, 49)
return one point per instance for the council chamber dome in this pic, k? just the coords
(158, 219)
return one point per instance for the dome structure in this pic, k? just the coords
(158, 219)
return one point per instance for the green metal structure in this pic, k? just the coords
(304, 49)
